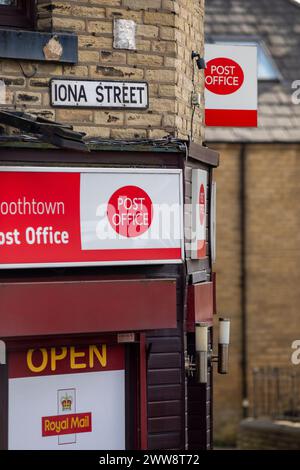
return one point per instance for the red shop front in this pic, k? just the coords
(92, 298)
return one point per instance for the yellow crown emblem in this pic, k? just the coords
(66, 402)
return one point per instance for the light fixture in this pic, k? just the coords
(204, 355)
(223, 346)
(200, 60)
(201, 333)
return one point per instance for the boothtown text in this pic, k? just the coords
(22, 206)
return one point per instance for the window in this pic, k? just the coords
(17, 13)
(266, 67)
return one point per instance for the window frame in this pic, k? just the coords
(21, 15)
(236, 40)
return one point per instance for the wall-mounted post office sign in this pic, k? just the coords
(199, 209)
(231, 85)
(99, 94)
(90, 216)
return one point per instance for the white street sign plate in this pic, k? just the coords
(99, 94)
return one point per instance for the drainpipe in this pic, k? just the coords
(244, 326)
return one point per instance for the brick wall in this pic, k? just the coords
(272, 266)
(273, 256)
(167, 32)
(227, 388)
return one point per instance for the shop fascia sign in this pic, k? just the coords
(99, 94)
(231, 85)
(90, 216)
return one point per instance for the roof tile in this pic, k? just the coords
(277, 23)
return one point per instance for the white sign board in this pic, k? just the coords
(199, 208)
(231, 85)
(67, 398)
(99, 94)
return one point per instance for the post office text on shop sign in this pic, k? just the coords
(99, 94)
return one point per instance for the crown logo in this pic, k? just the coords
(66, 402)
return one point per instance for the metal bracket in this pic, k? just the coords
(189, 365)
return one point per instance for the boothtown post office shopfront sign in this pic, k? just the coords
(99, 94)
(90, 216)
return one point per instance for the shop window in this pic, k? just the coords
(20, 40)
(17, 13)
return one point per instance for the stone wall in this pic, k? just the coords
(268, 435)
(167, 32)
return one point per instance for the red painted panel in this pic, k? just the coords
(49, 308)
(231, 117)
(200, 304)
(143, 393)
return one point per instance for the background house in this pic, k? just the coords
(258, 235)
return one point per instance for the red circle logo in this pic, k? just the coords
(202, 203)
(223, 76)
(129, 211)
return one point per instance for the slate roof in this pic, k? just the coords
(277, 24)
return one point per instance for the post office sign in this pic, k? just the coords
(90, 216)
(231, 85)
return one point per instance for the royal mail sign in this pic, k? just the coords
(70, 397)
(99, 94)
(89, 216)
(231, 85)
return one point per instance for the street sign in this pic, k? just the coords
(90, 216)
(99, 94)
(231, 85)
